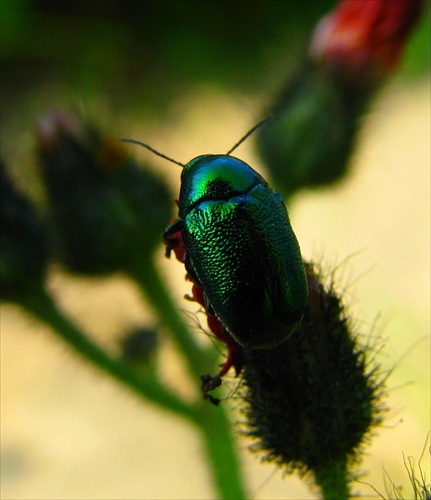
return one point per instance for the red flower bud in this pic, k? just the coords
(365, 35)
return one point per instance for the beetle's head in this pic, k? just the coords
(215, 177)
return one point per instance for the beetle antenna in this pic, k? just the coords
(153, 151)
(248, 134)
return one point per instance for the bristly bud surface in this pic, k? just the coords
(105, 210)
(313, 400)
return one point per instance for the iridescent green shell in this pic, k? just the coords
(242, 249)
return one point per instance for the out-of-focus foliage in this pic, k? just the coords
(149, 52)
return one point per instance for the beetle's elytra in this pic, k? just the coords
(241, 249)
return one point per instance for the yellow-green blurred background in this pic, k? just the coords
(191, 77)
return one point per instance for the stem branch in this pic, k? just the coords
(155, 292)
(44, 308)
(332, 480)
(212, 422)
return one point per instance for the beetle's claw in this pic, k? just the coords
(212, 399)
(210, 383)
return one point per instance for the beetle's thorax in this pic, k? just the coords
(215, 177)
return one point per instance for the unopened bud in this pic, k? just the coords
(139, 345)
(24, 242)
(365, 38)
(312, 133)
(312, 400)
(106, 211)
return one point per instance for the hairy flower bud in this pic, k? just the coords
(106, 211)
(24, 242)
(312, 400)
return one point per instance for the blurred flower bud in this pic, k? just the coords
(107, 213)
(139, 345)
(315, 119)
(311, 136)
(24, 243)
(365, 39)
(312, 401)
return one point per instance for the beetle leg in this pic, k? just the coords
(235, 358)
(174, 226)
(173, 240)
(191, 272)
(210, 383)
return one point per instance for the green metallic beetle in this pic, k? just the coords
(240, 247)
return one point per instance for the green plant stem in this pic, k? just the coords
(332, 480)
(44, 308)
(212, 422)
(221, 452)
(157, 294)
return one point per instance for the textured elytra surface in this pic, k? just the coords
(247, 258)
